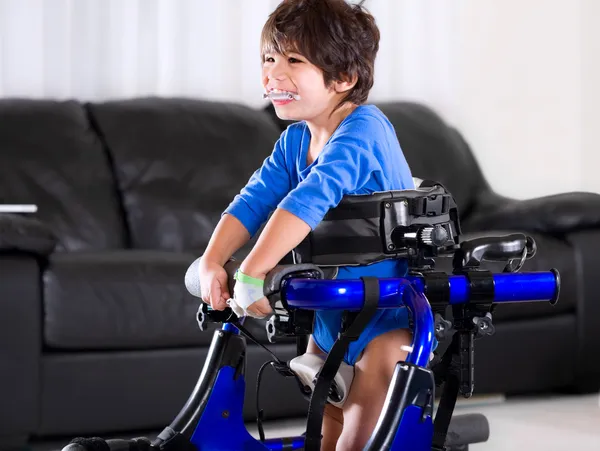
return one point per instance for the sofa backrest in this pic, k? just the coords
(179, 162)
(49, 156)
(437, 151)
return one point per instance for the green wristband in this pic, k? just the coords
(239, 275)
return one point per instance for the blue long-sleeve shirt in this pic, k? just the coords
(361, 157)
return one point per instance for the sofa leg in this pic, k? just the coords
(587, 387)
(13, 442)
(584, 386)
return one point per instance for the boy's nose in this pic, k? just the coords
(277, 75)
(276, 72)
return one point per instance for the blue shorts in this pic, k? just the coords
(328, 322)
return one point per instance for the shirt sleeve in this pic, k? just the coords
(265, 189)
(344, 166)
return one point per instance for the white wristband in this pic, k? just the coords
(247, 291)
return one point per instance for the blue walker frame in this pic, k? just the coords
(212, 417)
(220, 425)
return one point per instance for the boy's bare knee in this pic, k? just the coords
(373, 373)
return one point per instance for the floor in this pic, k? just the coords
(561, 423)
(529, 424)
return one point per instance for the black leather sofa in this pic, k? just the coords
(97, 331)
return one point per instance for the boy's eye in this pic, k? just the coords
(291, 59)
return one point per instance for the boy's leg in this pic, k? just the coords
(333, 424)
(333, 418)
(373, 373)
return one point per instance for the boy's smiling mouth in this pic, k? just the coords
(281, 95)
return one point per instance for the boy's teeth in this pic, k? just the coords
(281, 95)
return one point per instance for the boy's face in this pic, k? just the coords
(294, 73)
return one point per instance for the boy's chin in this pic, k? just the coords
(285, 115)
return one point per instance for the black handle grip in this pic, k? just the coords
(467, 429)
(496, 248)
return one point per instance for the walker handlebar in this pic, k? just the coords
(321, 294)
(305, 286)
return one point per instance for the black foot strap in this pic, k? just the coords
(332, 363)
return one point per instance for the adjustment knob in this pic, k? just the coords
(484, 325)
(201, 316)
(434, 236)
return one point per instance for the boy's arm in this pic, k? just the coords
(341, 169)
(250, 208)
(265, 189)
(345, 165)
(229, 235)
(283, 232)
(240, 221)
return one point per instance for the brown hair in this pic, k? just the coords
(339, 38)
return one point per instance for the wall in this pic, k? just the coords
(590, 95)
(517, 77)
(520, 92)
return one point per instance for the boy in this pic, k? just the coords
(322, 54)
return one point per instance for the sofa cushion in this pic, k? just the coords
(51, 157)
(120, 300)
(180, 162)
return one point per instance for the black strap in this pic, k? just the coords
(301, 344)
(332, 363)
(437, 288)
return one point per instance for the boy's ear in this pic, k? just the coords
(346, 83)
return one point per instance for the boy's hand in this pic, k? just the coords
(213, 283)
(260, 308)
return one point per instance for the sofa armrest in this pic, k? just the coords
(25, 234)
(21, 313)
(555, 214)
(586, 245)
